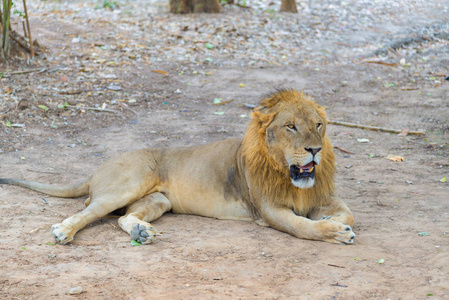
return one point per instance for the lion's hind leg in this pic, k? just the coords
(140, 213)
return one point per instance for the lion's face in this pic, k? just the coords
(295, 137)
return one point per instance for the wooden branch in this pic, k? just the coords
(92, 108)
(73, 92)
(375, 128)
(343, 150)
(19, 42)
(28, 27)
(127, 107)
(40, 70)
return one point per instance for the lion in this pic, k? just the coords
(281, 174)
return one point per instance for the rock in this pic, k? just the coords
(76, 290)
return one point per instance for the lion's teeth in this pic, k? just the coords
(301, 170)
(311, 169)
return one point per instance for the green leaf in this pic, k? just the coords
(24, 248)
(53, 126)
(8, 124)
(219, 113)
(217, 100)
(441, 180)
(43, 107)
(381, 261)
(423, 233)
(136, 243)
(209, 46)
(50, 244)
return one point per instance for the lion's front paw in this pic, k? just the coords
(62, 233)
(143, 234)
(335, 232)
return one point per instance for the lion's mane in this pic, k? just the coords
(271, 179)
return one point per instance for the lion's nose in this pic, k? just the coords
(314, 151)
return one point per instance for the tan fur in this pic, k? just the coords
(231, 179)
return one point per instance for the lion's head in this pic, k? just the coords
(287, 142)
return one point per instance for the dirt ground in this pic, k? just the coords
(105, 59)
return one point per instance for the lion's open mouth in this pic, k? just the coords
(302, 172)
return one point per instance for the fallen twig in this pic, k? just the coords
(40, 70)
(380, 63)
(223, 102)
(343, 150)
(337, 284)
(375, 128)
(126, 106)
(72, 92)
(409, 88)
(160, 72)
(92, 108)
(19, 42)
(342, 44)
(335, 266)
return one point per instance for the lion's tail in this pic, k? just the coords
(65, 191)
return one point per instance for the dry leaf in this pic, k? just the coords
(409, 88)
(223, 102)
(160, 72)
(380, 63)
(395, 158)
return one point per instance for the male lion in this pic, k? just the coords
(280, 175)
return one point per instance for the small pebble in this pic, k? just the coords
(76, 290)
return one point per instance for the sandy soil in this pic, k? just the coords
(198, 257)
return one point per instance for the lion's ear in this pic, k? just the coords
(262, 118)
(269, 102)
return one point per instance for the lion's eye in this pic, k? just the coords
(291, 126)
(318, 125)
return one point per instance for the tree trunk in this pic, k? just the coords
(289, 6)
(194, 6)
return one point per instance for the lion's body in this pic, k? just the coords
(278, 175)
(204, 180)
